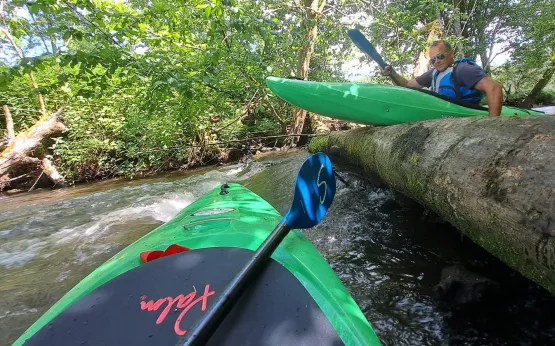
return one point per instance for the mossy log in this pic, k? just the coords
(492, 178)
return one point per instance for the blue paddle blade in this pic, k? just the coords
(364, 45)
(314, 192)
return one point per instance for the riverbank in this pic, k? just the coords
(221, 156)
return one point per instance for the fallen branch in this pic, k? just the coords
(16, 153)
(19, 177)
(240, 117)
(5, 180)
(36, 181)
(276, 116)
(232, 122)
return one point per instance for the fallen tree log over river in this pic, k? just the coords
(492, 178)
(19, 150)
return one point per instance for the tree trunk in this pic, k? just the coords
(10, 134)
(483, 52)
(458, 31)
(492, 178)
(53, 41)
(546, 77)
(485, 61)
(17, 153)
(314, 11)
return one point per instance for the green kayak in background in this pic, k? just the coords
(376, 104)
(154, 291)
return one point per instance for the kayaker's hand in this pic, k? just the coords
(494, 93)
(387, 71)
(390, 72)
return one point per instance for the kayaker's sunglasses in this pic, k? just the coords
(440, 56)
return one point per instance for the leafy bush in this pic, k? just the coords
(547, 97)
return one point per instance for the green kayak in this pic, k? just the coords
(154, 291)
(376, 104)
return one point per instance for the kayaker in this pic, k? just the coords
(447, 76)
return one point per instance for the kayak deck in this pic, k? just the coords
(374, 104)
(239, 219)
(159, 303)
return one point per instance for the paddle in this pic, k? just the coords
(314, 192)
(366, 47)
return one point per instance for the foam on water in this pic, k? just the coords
(9, 313)
(103, 216)
(379, 244)
(17, 253)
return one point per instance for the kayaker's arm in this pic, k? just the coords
(387, 71)
(494, 93)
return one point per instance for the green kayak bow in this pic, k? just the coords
(295, 299)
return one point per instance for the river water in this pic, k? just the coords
(388, 255)
(546, 109)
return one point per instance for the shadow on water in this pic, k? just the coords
(386, 252)
(390, 254)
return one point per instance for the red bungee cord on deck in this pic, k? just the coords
(149, 256)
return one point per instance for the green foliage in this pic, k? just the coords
(535, 21)
(140, 83)
(547, 97)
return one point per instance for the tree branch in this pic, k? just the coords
(6, 31)
(276, 115)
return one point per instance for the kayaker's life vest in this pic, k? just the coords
(449, 87)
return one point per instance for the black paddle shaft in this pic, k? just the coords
(373, 53)
(365, 46)
(217, 312)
